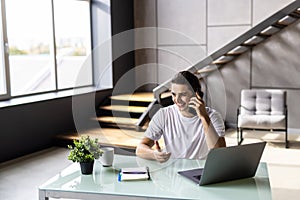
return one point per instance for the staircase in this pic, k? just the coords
(117, 117)
(123, 111)
(232, 50)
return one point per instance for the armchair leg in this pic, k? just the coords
(240, 135)
(286, 139)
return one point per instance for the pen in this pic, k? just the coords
(157, 145)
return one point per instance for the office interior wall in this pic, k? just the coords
(122, 16)
(186, 23)
(214, 23)
(145, 44)
(32, 127)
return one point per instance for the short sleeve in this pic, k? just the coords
(156, 125)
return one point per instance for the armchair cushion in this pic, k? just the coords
(263, 102)
(262, 121)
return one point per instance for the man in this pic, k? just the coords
(188, 127)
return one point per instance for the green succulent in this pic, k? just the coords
(85, 149)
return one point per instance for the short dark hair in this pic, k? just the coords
(189, 79)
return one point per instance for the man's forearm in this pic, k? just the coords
(213, 140)
(144, 151)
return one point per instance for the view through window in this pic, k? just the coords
(73, 43)
(49, 45)
(29, 34)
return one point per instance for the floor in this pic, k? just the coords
(20, 178)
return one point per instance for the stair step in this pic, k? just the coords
(253, 40)
(141, 97)
(223, 60)
(270, 30)
(123, 108)
(296, 13)
(287, 20)
(127, 139)
(238, 50)
(117, 120)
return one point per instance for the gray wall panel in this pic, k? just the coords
(265, 8)
(276, 61)
(172, 59)
(186, 17)
(293, 97)
(231, 13)
(220, 36)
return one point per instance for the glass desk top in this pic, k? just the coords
(165, 182)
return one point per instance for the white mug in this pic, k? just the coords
(107, 157)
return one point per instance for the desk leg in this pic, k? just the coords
(42, 195)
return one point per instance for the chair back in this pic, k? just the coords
(263, 102)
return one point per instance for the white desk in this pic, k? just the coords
(165, 183)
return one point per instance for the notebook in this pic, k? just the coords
(134, 174)
(227, 163)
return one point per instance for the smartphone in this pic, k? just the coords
(192, 110)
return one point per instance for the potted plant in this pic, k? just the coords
(85, 151)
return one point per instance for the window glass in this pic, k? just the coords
(102, 45)
(73, 43)
(30, 36)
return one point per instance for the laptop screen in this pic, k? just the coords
(228, 163)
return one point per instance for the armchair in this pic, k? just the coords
(262, 110)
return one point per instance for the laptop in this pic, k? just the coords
(227, 163)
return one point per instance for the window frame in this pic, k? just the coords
(4, 47)
(56, 93)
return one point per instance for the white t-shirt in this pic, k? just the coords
(184, 137)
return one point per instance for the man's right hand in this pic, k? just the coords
(161, 156)
(145, 150)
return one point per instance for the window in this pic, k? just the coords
(29, 34)
(73, 43)
(49, 46)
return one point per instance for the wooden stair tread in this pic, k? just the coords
(142, 97)
(122, 138)
(110, 137)
(238, 50)
(117, 120)
(123, 108)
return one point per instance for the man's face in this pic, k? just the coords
(181, 95)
